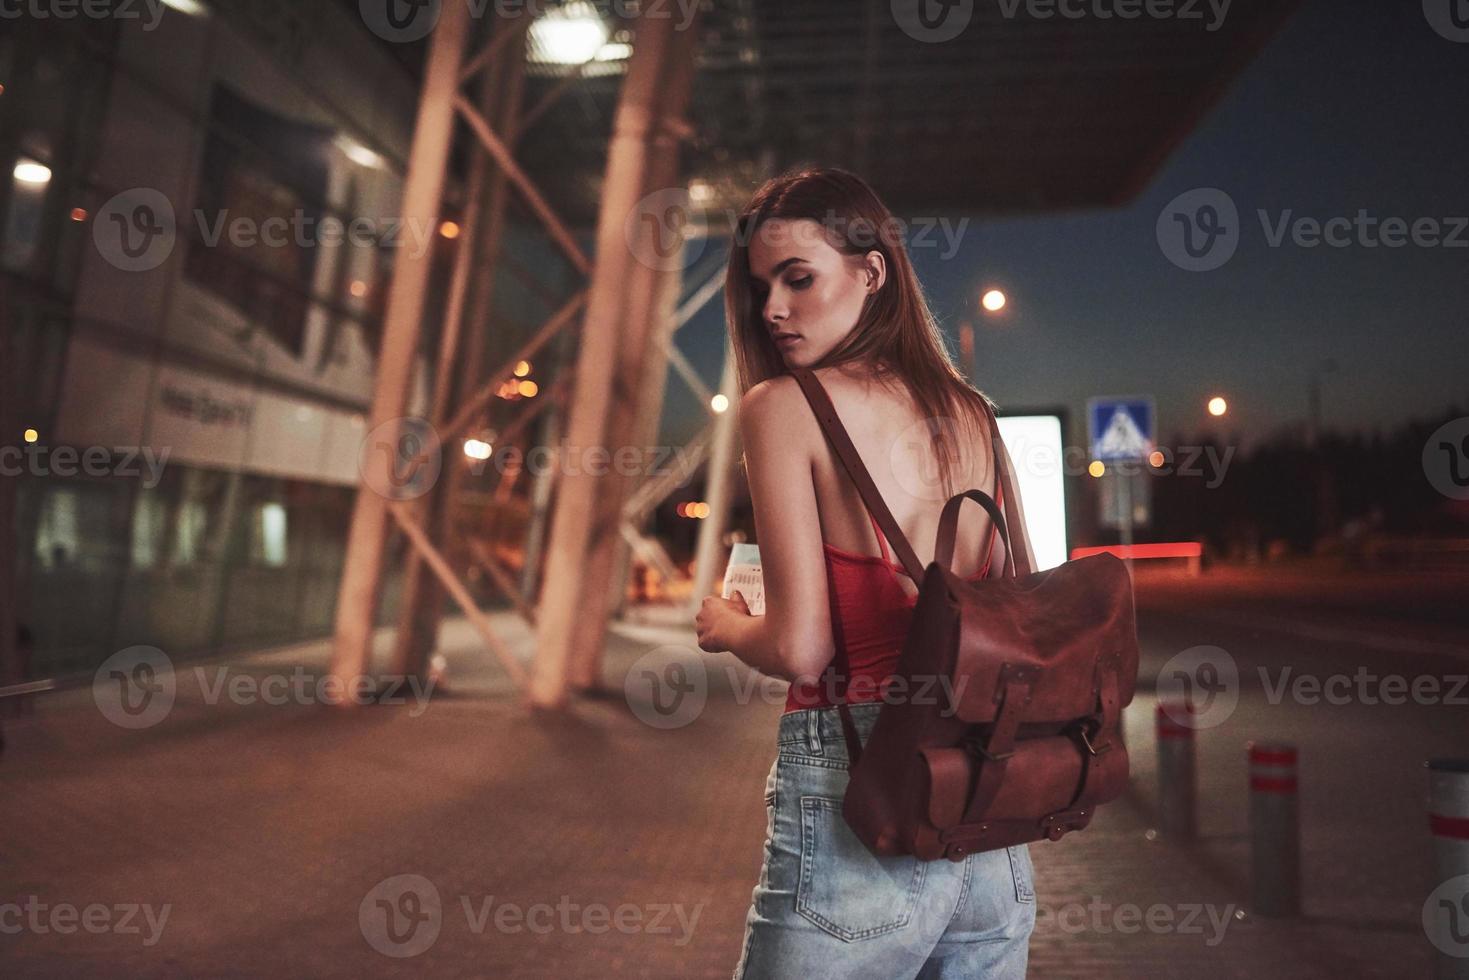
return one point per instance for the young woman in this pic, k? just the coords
(819, 278)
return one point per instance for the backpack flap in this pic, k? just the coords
(1057, 625)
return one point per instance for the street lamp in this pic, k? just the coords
(992, 301)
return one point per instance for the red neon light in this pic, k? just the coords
(1163, 549)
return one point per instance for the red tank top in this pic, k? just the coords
(870, 615)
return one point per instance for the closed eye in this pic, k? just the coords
(800, 283)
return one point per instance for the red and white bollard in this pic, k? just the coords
(1446, 913)
(1275, 829)
(1177, 782)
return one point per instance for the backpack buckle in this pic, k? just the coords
(1086, 740)
(994, 756)
(1012, 692)
(1081, 728)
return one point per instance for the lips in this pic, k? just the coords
(786, 339)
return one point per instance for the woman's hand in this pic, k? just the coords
(712, 622)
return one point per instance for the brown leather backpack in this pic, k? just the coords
(1040, 664)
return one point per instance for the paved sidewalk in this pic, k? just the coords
(271, 832)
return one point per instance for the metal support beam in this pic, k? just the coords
(562, 598)
(428, 160)
(656, 490)
(720, 488)
(635, 359)
(498, 43)
(686, 372)
(419, 540)
(711, 287)
(552, 96)
(502, 579)
(650, 395)
(540, 494)
(527, 415)
(471, 298)
(652, 552)
(475, 404)
(558, 230)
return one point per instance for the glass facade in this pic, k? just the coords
(244, 370)
(206, 561)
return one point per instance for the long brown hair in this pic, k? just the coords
(896, 334)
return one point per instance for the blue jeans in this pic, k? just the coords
(826, 907)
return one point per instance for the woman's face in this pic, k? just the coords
(809, 294)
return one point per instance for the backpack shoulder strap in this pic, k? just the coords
(836, 434)
(1019, 534)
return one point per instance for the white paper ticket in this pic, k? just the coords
(743, 575)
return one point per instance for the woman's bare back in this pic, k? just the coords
(894, 441)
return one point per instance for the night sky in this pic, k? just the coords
(1352, 106)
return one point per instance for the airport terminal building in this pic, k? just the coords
(194, 376)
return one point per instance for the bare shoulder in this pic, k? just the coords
(768, 399)
(776, 409)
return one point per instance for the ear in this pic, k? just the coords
(875, 269)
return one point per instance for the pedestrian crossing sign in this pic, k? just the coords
(1120, 428)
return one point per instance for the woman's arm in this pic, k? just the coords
(749, 638)
(794, 638)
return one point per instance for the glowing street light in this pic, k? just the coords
(1218, 406)
(191, 7)
(993, 300)
(358, 153)
(719, 403)
(568, 35)
(31, 172)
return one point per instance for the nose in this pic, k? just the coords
(776, 310)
